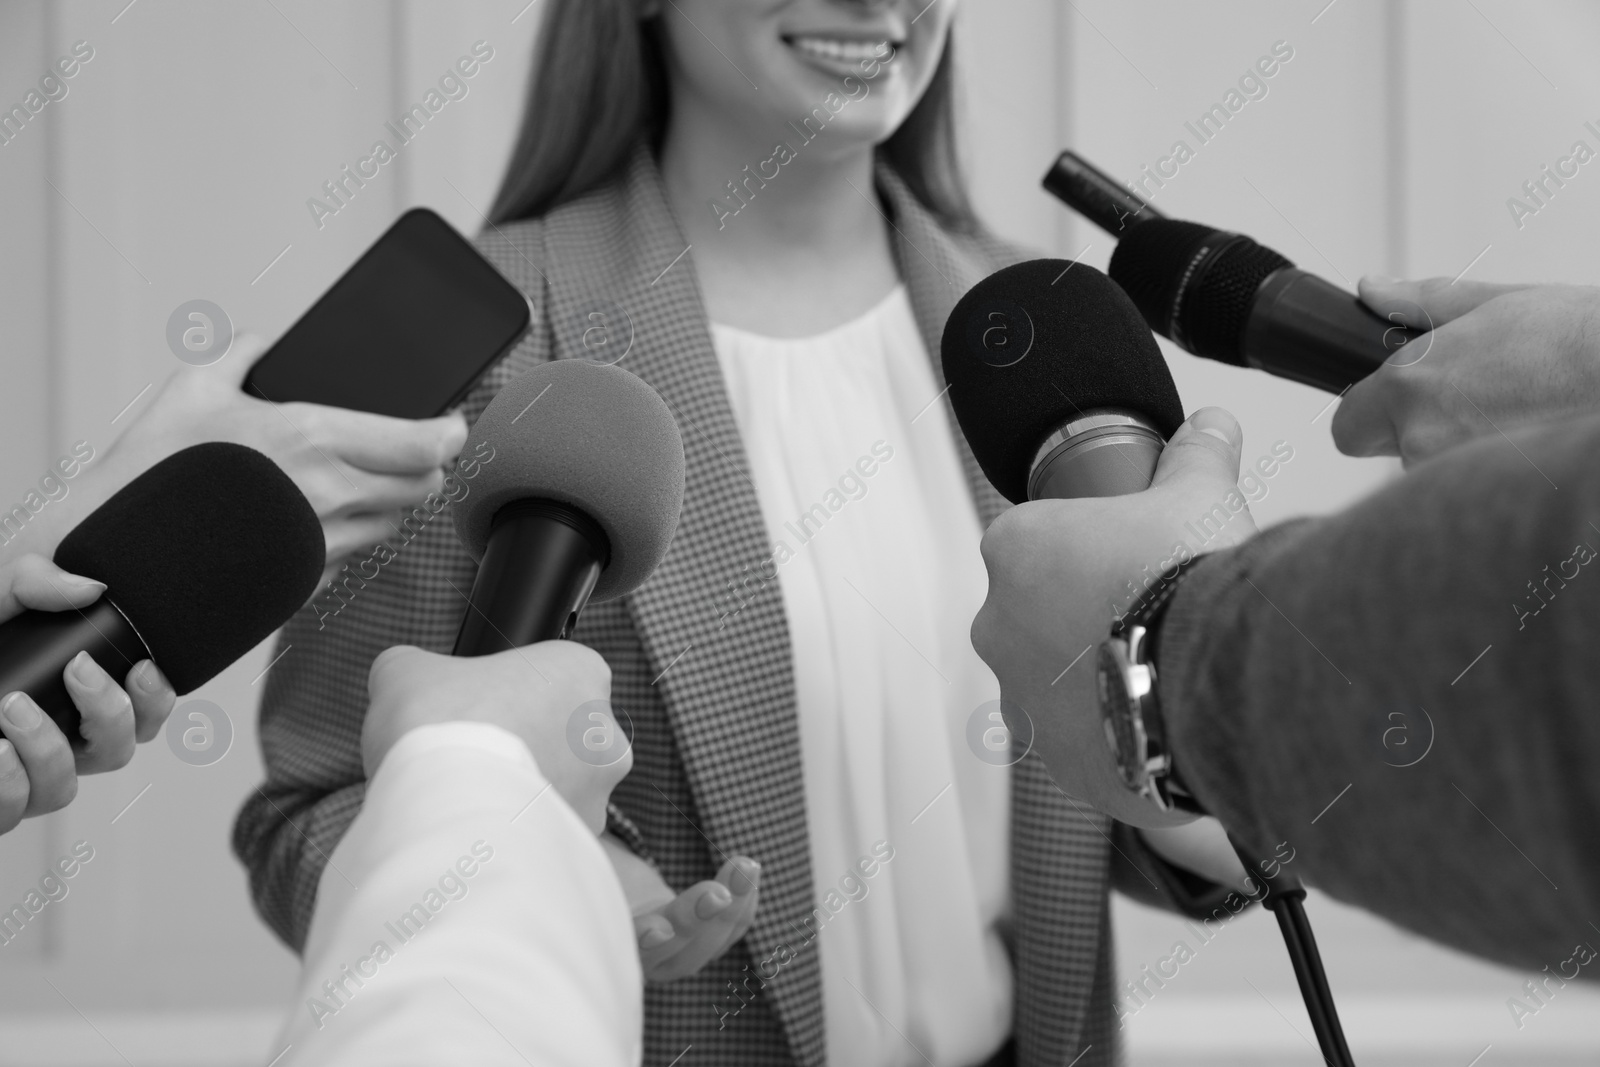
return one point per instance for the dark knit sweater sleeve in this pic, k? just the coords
(1405, 693)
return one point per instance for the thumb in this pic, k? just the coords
(391, 666)
(241, 356)
(1428, 303)
(1203, 455)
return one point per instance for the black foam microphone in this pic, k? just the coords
(579, 504)
(203, 556)
(1058, 385)
(1223, 296)
(1062, 393)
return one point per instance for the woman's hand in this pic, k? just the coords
(1498, 357)
(679, 934)
(356, 468)
(39, 766)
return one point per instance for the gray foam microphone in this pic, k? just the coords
(579, 502)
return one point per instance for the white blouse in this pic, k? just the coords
(876, 544)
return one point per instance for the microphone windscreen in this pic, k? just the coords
(594, 437)
(1157, 258)
(206, 553)
(1035, 345)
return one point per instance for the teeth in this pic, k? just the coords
(834, 48)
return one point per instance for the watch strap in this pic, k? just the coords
(1149, 615)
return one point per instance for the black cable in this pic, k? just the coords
(1284, 896)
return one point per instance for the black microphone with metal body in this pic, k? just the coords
(1062, 393)
(203, 556)
(579, 503)
(1223, 296)
(1058, 385)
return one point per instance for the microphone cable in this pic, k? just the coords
(1285, 896)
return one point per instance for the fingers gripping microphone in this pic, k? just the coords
(1223, 296)
(1058, 385)
(580, 503)
(203, 556)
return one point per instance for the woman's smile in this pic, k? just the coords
(839, 55)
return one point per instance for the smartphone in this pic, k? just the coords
(407, 331)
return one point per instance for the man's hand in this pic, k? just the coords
(679, 934)
(39, 765)
(1498, 357)
(1059, 570)
(531, 692)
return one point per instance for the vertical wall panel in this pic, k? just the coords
(456, 168)
(27, 270)
(1013, 115)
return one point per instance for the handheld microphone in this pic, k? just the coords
(203, 556)
(1057, 383)
(1223, 296)
(581, 503)
(1062, 393)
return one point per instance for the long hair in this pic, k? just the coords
(599, 88)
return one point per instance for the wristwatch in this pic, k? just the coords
(1130, 705)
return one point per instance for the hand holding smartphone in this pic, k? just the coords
(406, 331)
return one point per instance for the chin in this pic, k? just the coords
(869, 110)
(863, 129)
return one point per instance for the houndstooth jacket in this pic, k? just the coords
(716, 746)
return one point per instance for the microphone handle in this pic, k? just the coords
(1312, 332)
(540, 565)
(36, 646)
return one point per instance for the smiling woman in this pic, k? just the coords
(601, 86)
(825, 709)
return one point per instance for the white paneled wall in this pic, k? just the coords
(179, 165)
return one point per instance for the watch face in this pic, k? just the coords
(1118, 708)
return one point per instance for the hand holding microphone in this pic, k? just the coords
(580, 505)
(191, 565)
(1498, 358)
(1427, 365)
(39, 764)
(1068, 405)
(1065, 399)
(1223, 296)
(529, 692)
(1057, 568)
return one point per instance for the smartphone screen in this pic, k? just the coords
(406, 331)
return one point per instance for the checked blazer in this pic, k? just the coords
(717, 765)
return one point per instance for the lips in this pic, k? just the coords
(840, 55)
